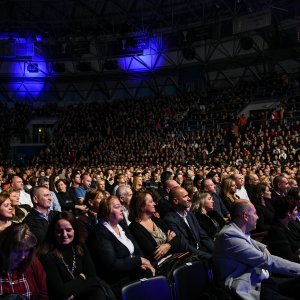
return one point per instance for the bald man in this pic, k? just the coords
(243, 264)
(163, 204)
(18, 185)
(193, 238)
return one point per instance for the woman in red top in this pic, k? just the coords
(21, 272)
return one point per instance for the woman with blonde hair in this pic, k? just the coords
(264, 179)
(208, 218)
(228, 192)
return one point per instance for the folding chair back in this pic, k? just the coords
(155, 288)
(191, 280)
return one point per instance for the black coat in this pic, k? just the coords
(38, 225)
(147, 243)
(192, 238)
(112, 259)
(207, 222)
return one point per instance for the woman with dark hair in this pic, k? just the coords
(117, 257)
(67, 199)
(21, 273)
(152, 234)
(92, 199)
(280, 240)
(208, 218)
(70, 270)
(198, 181)
(261, 199)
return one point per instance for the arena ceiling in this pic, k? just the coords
(83, 38)
(66, 18)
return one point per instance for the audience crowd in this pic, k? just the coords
(112, 198)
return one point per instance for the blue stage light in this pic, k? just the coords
(151, 58)
(33, 68)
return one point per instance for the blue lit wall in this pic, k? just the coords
(150, 60)
(20, 53)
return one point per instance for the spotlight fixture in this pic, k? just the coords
(33, 68)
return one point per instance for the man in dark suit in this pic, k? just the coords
(192, 237)
(281, 188)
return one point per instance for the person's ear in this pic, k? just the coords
(175, 201)
(34, 199)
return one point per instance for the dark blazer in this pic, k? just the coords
(207, 222)
(67, 200)
(266, 216)
(192, 238)
(38, 225)
(147, 243)
(283, 242)
(112, 259)
(219, 205)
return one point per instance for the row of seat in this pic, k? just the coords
(190, 282)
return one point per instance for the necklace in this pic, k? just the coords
(71, 272)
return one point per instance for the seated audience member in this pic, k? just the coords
(192, 237)
(21, 272)
(264, 179)
(86, 182)
(219, 207)
(67, 199)
(44, 181)
(294, 224)
(281, 240)
(280, 188)
(208, 218)
(293, 183)
(251, 180)
(215, 178)
(17, 185)
(6, 211)
(121, 181)
(240, 188)
(110, 182)
(70, 271)
(152, 234)
(261, 199)
(243, 264)
(117, 257)
(137, 184)
(228, 190)
(19, 212)
(92, 199)
(40, 215)
(163, 203)
(124, 193)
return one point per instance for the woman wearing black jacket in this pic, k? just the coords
(152, 234)
(70, 271)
